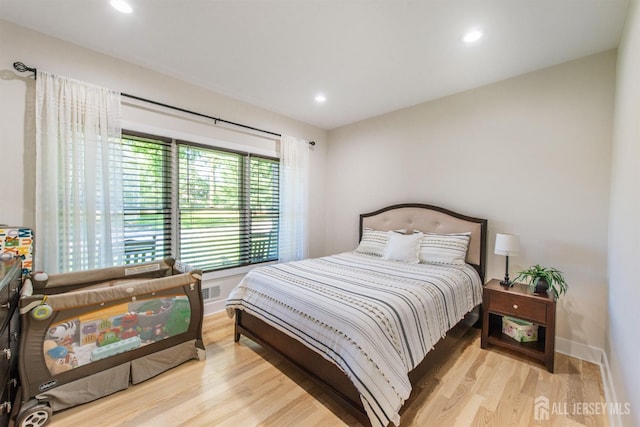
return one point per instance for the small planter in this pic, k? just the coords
(544, 279)
(542, 287)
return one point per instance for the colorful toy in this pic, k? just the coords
(115, 348)
(129, 320)
(42, 311)
(88, 333)
(108, 337)
(128, 323)
(91, 328)
(179, 318)
(56, 357)
(63, 333)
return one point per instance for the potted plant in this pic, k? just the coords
(543, 279)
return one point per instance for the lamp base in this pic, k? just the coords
(506, 281)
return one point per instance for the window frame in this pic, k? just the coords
(244, 202)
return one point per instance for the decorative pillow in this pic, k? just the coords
(403, 248)
(374, 241)
(444, 248)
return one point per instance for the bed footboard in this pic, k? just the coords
(326, 374)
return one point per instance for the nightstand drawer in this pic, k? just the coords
(521, 307)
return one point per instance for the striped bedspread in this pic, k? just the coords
(373, 318)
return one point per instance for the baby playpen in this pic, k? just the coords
(89, 334)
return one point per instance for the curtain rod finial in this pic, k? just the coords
(20, 67)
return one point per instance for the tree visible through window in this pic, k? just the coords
(217, 208)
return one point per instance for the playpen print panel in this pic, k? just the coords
(109, 331)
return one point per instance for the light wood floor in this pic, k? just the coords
(244, 385)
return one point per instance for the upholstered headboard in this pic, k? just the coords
(432, 219)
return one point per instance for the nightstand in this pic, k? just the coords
(519, 301)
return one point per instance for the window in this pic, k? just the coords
(146, 180)
(216, 208)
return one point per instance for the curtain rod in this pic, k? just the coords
(21, 67)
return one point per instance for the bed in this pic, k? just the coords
(362, 326)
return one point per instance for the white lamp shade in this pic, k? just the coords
(507, 244)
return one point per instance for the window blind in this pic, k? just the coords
(264, 207)
(228, 207)
(147, 197)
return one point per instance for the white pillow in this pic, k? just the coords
(444, 248)
(403, 248)
(374, 241)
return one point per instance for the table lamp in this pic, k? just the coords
(507, 244)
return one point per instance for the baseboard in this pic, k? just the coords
(599, 357)
(579, 351)
(609, 390)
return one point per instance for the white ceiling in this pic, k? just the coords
(367, 57)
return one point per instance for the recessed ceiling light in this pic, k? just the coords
(472, 36)
(320, 98)
(121, 6)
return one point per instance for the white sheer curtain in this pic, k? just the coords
(79, 198)
(294, 197)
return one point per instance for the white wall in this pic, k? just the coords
(17, 92)
(531, 154)
(623, 334)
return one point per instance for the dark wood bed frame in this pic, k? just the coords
(323, 372)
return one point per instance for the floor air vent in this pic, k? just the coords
(212, 292)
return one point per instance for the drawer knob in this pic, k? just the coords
(515, 306)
